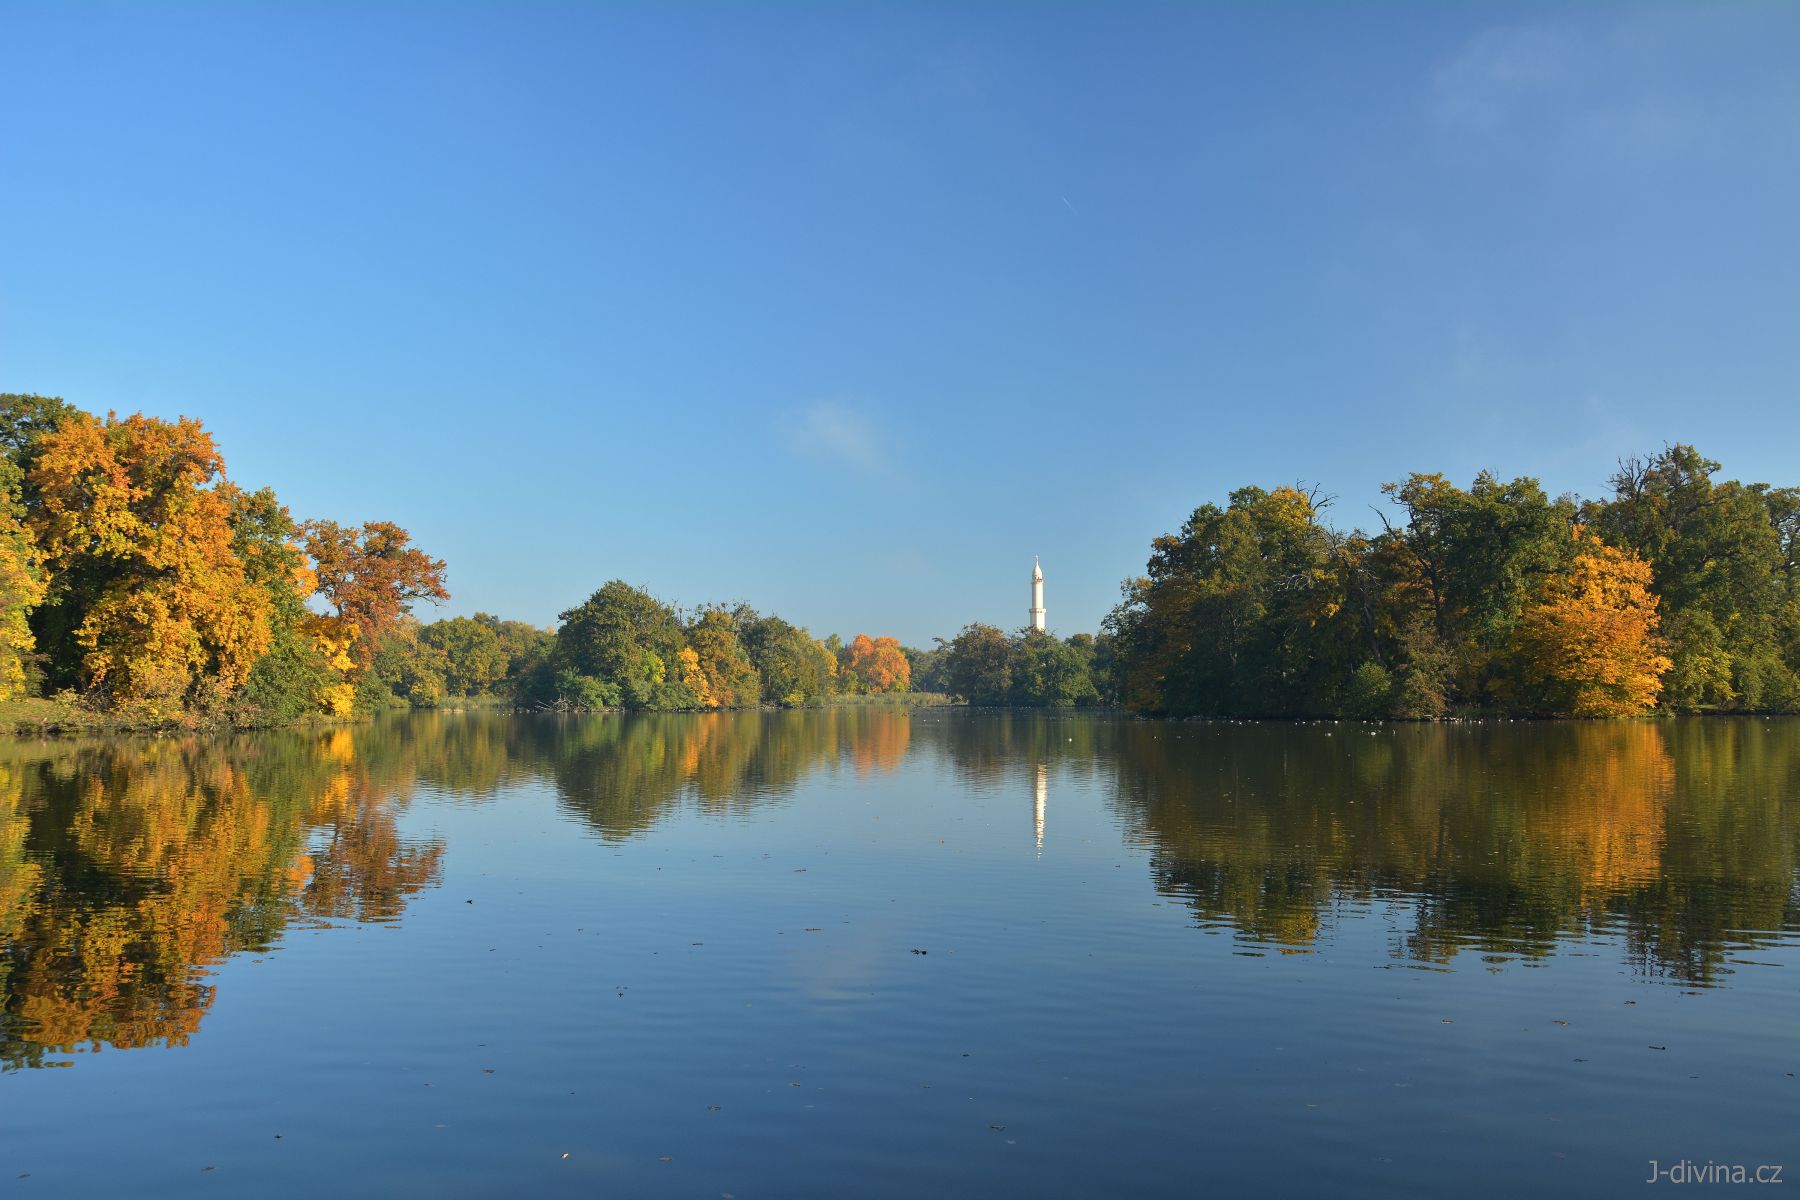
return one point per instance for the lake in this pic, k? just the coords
(873, 951)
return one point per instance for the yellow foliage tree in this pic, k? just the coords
(135, 523)
(728, 678)
(22, 584)
(695, 677)
(332, 637)
(1588, 644)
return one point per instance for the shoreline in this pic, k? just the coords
(39, 717)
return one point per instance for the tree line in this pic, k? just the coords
(1677, 592)
(624, 648)
(136, 577)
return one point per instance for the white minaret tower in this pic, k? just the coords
(1037, 596)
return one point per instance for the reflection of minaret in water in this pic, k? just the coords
(1037, 803)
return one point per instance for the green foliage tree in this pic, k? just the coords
(928, 668)
(1242, 613)
(979, 666)
(1478, 598)
(294, 674)
(1723, 563)
(1049, 673)
(626, 641)
(795, 668)
(475, 660)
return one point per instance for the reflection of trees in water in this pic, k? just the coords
(624, 774)
(127, 869)
(131, 867)
(1510, 837)
(1003, 749)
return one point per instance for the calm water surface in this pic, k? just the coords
(862, 951)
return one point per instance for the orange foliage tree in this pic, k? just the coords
(876, 665)
(371, 576)
(1588, 644)
(134, 520)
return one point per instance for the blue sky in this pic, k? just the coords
(849, 310)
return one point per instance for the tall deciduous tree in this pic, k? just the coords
(729, 679)
(305, 669)
(147, 589)
(796, 669)
(1243, 612)
(371, 576)
(1723, 557)
(620, 646)
(1588, 644)
(876, 664)
(980, 665)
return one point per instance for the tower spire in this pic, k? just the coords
(1036, 611)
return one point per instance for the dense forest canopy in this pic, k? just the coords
(137, 576)
(1677, 593)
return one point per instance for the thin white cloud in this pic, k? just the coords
(836, 435)
(1498, 72)
(1633, 84)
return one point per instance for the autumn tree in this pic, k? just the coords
(1588, 644)
(148, 600)
(371, 576)
(729, 680)
(875, 665)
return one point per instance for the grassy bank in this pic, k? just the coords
(891, 699)
(40, 716)
(35, 716)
